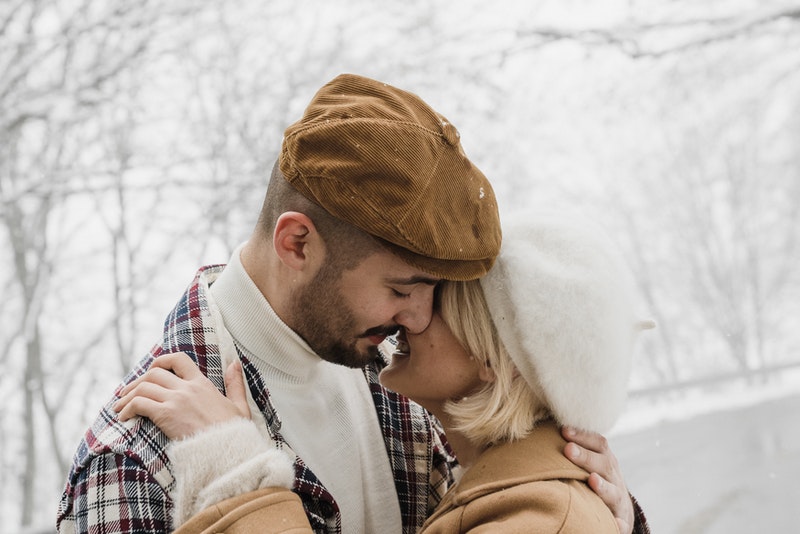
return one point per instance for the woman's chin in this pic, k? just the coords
(398, 359)
(391, 376)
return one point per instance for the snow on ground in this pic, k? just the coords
(713, 463)
(644, 412)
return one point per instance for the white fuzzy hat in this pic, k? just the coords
(563, 303)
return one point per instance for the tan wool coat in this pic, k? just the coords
(266, 511)
(525, 486)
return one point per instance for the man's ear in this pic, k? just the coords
(293, 238)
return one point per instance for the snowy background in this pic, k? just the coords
(136, 139)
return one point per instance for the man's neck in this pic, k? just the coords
(263, 268)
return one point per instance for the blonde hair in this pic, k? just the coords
(506, 408)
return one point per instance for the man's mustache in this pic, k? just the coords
(385, 331)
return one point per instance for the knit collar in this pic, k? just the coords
(248, 316)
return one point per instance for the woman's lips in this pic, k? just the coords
(402, 348)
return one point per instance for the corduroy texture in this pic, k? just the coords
(381, 159)
(563, 303)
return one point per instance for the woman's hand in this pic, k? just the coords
(590, 451)
(179, 399)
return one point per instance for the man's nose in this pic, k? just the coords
(416, 314)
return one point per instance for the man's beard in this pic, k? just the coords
(320, 318)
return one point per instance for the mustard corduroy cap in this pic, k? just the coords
(381, 159)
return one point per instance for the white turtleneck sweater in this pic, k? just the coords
(326, 410)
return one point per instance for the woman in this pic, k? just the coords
(545, 339)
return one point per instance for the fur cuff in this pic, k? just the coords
(223, 461)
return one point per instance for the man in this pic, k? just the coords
(371, 204)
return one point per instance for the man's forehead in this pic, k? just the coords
(396, 270)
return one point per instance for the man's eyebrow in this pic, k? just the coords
(417, 279)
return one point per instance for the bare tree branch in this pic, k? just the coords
(629, 38)
(728, 29)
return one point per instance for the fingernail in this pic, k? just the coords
(574, 451)
(570, 431)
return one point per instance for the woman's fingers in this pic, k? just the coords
(178, 363)
(155, 375)
(615, 499)
(235, 388)
(590, 451)
(138, 406)
(167, 371)
(176, 396)
(132, 403)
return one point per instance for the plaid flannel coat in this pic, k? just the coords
(120, 477)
